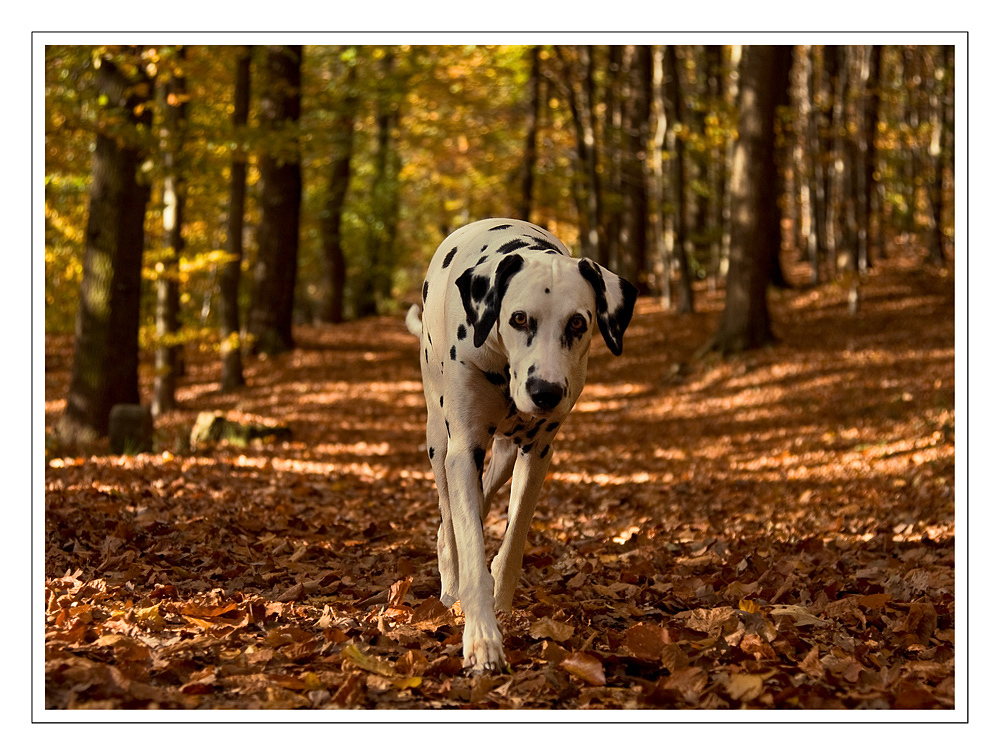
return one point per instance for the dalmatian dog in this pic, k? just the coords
(505, 330)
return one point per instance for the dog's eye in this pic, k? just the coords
(519, 320)
(577, 323)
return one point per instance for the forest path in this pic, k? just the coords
(770, 531)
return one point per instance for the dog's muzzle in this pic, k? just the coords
(544, 393)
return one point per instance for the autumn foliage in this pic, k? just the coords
(775, 531)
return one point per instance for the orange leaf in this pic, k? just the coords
(874, 601)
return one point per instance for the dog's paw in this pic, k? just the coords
(482, 648)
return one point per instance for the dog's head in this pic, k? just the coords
(542, 311)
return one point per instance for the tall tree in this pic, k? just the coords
(229, 277)
(871, 75)
(342, 134)
(658, 132)
(280, 198)
(941, 150)
(612, 167)
(632, 234)
(685, 295)
(375, 284)
(531, 139)
(772, 224)
(106, 356)
(805, 160)
(578, 77)
(168, 351)
(746, 322)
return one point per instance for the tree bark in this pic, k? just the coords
(772, 223)
(581, 102)
(871, 80)
(330, 221)
(746, 322)
(280, 197)
(531, 139)
(632, 235)
(106, 352)
(658, 129)
(942, 130)
(685, 295)
(375, 285)
(168, 351)
(229, 277)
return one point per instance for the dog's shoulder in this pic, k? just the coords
(484, 243)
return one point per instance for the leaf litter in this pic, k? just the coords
(775, 531)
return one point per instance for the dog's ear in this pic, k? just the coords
(482, 292)
(615, 301)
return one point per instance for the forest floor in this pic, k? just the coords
(774, 531)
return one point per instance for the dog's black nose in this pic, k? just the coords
(546, 395)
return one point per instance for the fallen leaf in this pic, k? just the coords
(397, 592)
(407, 682)
(586, 667)
(706, 619)
(646, 641)
(811, 665)
(430, 614)
(746, 687)
(874, 601)
(547, 627)
(673, 658)
(800, 615)
(355, 655)
(280, 636)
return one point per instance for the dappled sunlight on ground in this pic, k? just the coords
(816, 472)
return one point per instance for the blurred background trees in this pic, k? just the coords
(210, 197)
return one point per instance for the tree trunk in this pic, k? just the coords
(168, 351)
(376, 282)
(805, 160)
(531, 140)
(229, 277)
(731, 94)
(581, 101)
(685, 295)
(870, 79)
(912, 169)
(715, 180)
(611, 176)
(772, 223)
(632, 241)
(280, 198)
(746, 323)
(106, 355)
(658, 129)
(942, 129)
(330, 221)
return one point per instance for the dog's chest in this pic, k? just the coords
(525, 431)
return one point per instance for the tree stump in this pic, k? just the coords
(130, 429)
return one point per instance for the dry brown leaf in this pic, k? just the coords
(586, 667)
(646, 641)
(547, 627)
(800, 615)
(746, 687)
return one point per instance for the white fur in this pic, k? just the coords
(491, 393)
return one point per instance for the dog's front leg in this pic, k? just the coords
(529, 474)
(482, 642)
